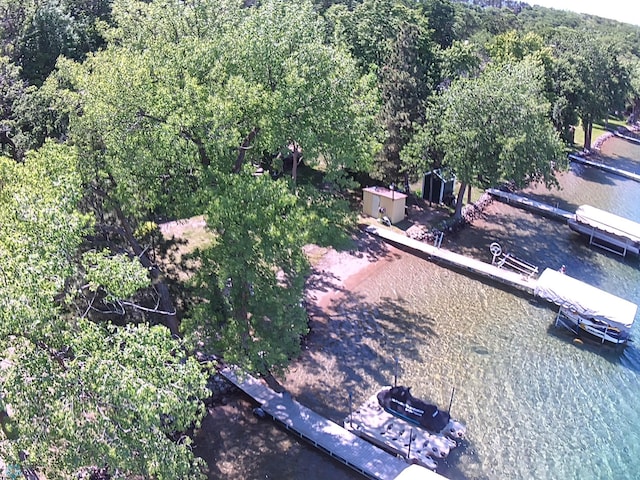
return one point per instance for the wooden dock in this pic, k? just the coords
(471, 265)
(606, 168)
(627, 137)
(328, 436)
(531, 205)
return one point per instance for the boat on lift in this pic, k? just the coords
(605, 230)
(585, 309)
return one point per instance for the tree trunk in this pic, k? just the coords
(166, 302)
(459, 200)
(407, 187)
(242, 150)
(295, 155)
(587, 126)
(469, 194)
(636, 110)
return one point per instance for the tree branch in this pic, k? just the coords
(242, 150)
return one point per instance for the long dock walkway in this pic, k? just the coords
(627, 137)
(530, 204)
(606, 168)
(456, 260)
(328, 436)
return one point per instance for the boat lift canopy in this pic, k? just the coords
(608, 222)
(586, 300)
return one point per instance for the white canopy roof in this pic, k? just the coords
(608, 222)
(588, 301)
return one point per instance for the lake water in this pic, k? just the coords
(537, 404)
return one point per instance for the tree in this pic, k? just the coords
(405, 83)
(257, 262)
(371, 29)
(496, 128)
(35, 33)
(187, 93)
(633, 66)
(76, 394)
(590, 77)
(441, 17)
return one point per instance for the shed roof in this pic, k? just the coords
(385, 192)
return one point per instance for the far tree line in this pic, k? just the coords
(116, 115)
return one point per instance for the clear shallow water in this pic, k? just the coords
(536, 404)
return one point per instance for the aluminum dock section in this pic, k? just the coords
(328, 436)
(512, 279)
(530, 204)
(626, 137)
(606, 168)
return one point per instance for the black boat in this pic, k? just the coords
(399, 401)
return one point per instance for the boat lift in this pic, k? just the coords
(501, 259)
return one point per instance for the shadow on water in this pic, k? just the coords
(539, 241)
(590, 174)
(363, 339)
(619, 161)
(450, 466)
(627, 356)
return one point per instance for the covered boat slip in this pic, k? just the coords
(606, 230)
(588, 302)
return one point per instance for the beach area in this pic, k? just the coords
(335, 336)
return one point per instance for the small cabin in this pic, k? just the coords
(437, 186)
(382, 202)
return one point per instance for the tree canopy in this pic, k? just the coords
(116, 115)
(496, 128)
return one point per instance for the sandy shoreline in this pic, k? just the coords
(336, 275)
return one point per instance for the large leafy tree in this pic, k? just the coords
(441, 20)
(257, 262)
(35, 33)
(77, 395)
(190, 92)
(496, 128)
(590, 76)
(407, 79)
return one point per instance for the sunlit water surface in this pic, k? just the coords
(537, 404)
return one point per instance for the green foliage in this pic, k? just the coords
(257, 266)
(461, 59)
(590, 77)
(80, 394)
(496, 128)
(119, 275)
(35, 33)
(110, 397)
(405, 85)
(185, 91)
(40, 230)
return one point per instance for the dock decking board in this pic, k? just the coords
(324, 434)
(471, 265)
(606, 168)
(530, 204)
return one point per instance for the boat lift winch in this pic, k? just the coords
(506, 260)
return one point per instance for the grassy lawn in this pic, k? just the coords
(598, 129)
